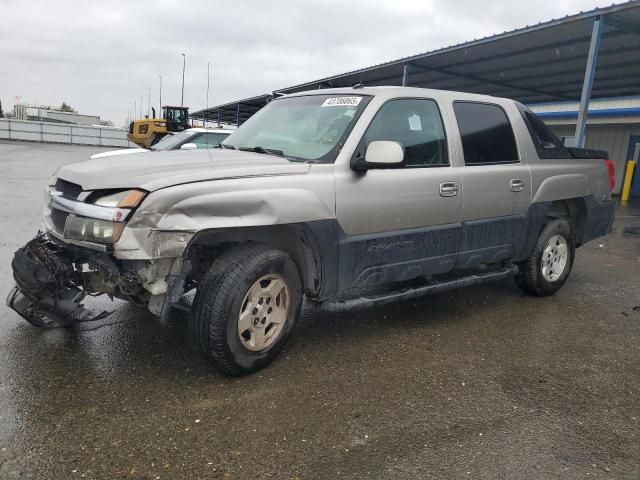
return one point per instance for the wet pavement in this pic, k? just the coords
(483, 382)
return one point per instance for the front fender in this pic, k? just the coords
(206, 210)
(227, 204)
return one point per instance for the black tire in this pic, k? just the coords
(219, 300)
(530, 278)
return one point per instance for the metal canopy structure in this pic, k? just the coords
(594, 53)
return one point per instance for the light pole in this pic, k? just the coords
(207, 110)
(135, 109)
(140, 107)
(160, 110)
(184, 64)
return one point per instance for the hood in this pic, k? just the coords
(122, 151)
(165, 169)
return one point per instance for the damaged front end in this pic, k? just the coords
(50, 285)
(54, 278)
(87, 251)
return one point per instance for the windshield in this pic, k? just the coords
(310, 127)
(170, 142)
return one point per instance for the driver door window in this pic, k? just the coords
(417, 125)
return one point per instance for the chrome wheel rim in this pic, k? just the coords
(554, 258)
(264, 312)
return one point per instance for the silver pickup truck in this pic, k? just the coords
(348, 198)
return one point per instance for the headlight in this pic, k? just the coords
(92, 230)
(108, 226)
(124, 199)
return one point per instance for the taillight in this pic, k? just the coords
(611, 169)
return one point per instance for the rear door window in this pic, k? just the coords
(487, 136)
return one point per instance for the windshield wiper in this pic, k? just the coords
(268, 151)
(223, 146)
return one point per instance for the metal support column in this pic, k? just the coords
(238, 115)
(405, 75)
(587, 84)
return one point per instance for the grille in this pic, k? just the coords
(68, 189)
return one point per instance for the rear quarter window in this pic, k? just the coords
(547, 144)
(486, 134)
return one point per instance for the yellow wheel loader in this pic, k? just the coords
(148, 131)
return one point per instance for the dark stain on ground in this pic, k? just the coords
(631, 231)
(481, 383)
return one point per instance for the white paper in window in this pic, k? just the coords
(414, 123)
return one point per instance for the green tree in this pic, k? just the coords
(66, 108)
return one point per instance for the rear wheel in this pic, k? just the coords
(550, 263)
(246, 307)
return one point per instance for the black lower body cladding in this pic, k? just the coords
(599, 220)
(376, 259)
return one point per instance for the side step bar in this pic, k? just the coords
(368, 302)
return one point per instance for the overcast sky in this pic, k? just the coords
(100, 56)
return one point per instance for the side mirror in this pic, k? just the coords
(189, 146)
(380, 154)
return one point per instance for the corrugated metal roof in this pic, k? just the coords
(539, 63)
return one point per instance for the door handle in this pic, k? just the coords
(516, 185)
(449, 189)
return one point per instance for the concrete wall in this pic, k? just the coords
(61, 133)
(613, 138)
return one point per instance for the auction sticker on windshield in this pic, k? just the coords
(342, 102)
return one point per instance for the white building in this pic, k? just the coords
(42, 113)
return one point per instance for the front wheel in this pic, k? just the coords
(246, 307)
(550, 263)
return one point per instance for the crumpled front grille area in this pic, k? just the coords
(68, 189)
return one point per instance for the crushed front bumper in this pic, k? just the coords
(54, 277)
(62, 311)
(49, 286)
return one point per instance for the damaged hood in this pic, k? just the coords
(165, 169)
